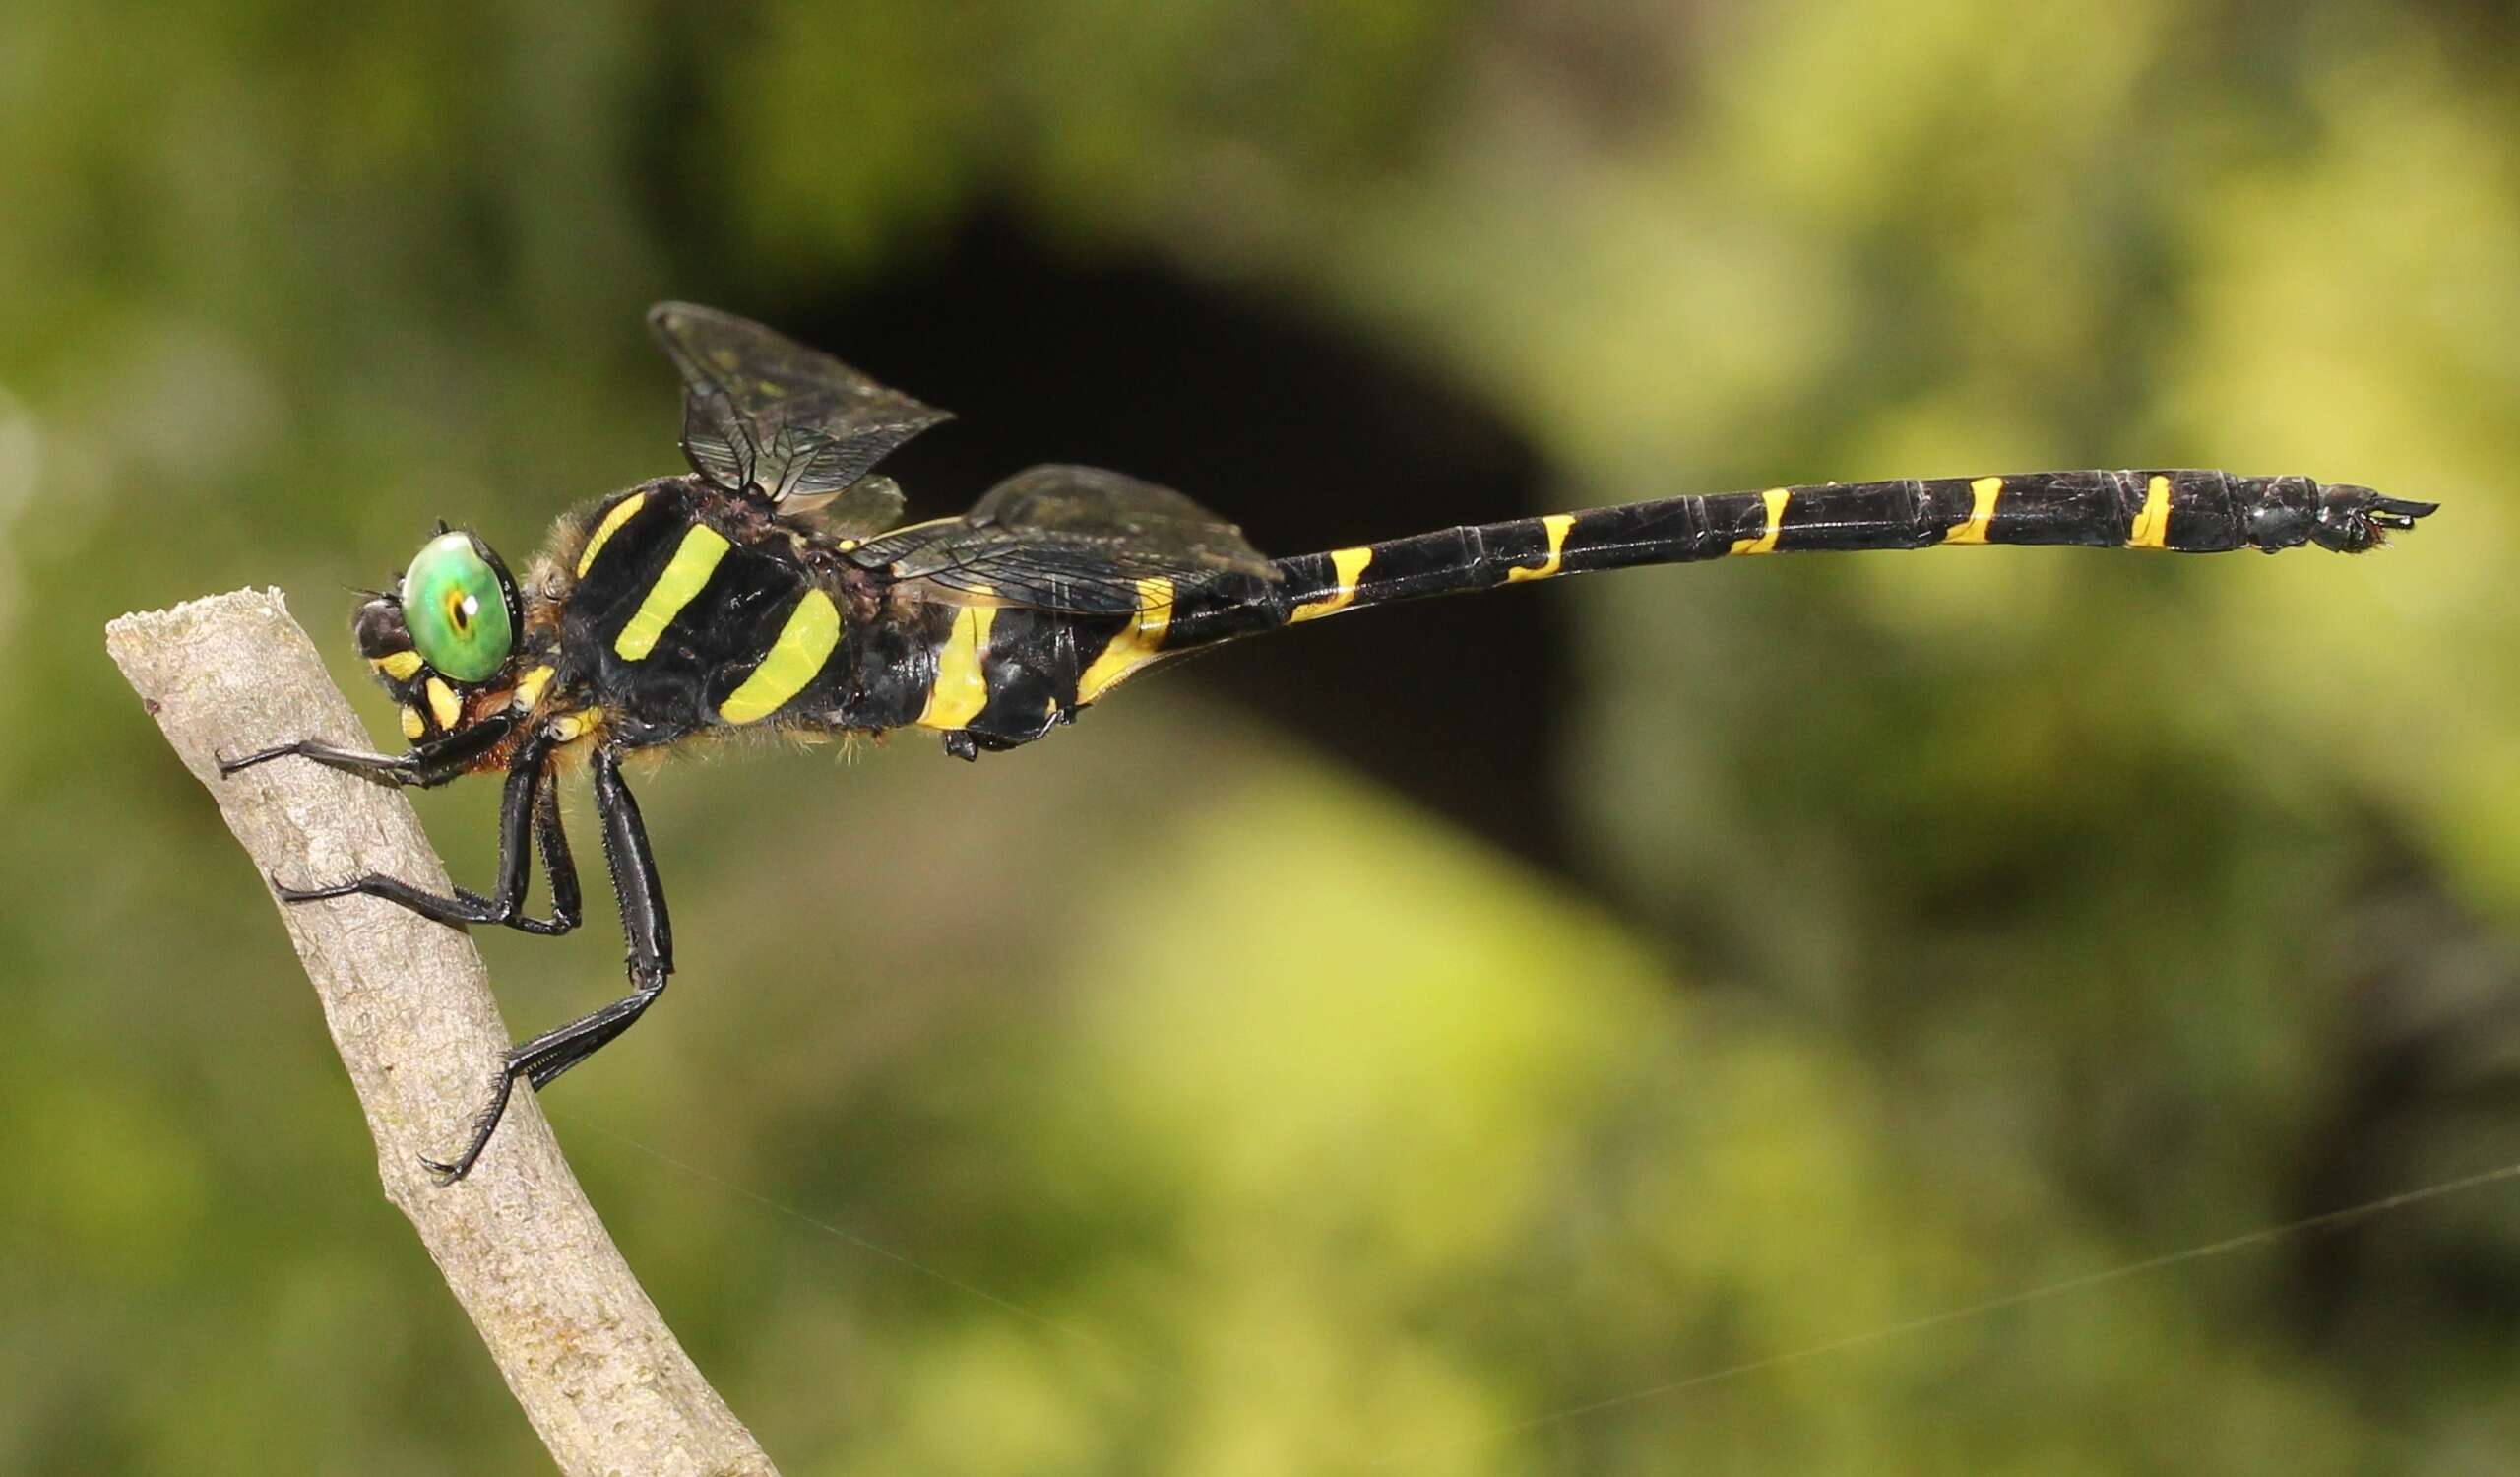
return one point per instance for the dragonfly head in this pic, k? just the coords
(447, 632)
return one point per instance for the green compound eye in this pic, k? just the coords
(457, 607)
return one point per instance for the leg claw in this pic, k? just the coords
(484, 1125)
(288, 895)
(228, 767)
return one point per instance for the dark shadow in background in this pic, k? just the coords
(1265, 410)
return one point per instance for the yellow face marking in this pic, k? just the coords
(413, 725)
(622, 512)
(2152, 525)
(444, 706)
(1984, 494)
(1350, 565)
(400, 665)
(693, 559)
(1776, 500)
(1558, 524)
(803, 644)
(1136, 644)
(961, 689)
(529, 689)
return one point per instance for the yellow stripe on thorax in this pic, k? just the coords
(1558, 524)
(1776, 500)
(2152, 525)
(693, 560)
(961, 689)
(1136, 645)
(804, 643)
(1350, 565)
(1984, 494)
(621, 512)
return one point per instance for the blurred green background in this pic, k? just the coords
(1385, 1048)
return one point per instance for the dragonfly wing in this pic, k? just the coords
(1076, 538)
(1089, 505)
(860, 510)
(763, 416)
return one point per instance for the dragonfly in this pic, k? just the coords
(774, 588)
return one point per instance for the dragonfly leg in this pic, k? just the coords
(427, 764)
(650, 938)
(529, 805)
(567, 909)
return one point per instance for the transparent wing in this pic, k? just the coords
(765, 415)
(1088, 505)
(864, 509)
(1074, 539)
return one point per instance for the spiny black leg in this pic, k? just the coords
(567, 909)
(647, 930)
(470, 908)
(538, 1061)
(517, 811)
(566, 906)
(554, 1052)
(427, 764)
(650, 938)
(402, 769)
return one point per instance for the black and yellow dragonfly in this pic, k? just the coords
(771, 590)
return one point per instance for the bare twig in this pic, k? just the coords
(586, 1353)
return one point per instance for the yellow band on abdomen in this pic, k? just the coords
(961, 689)
(2152, 525)
(1775, 499)
(1984, 494)
(1136, 644)
(1349, 564)
(1556, 525)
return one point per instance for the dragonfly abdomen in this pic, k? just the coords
(2176, 511)
(1036, 667)
(688, 624)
